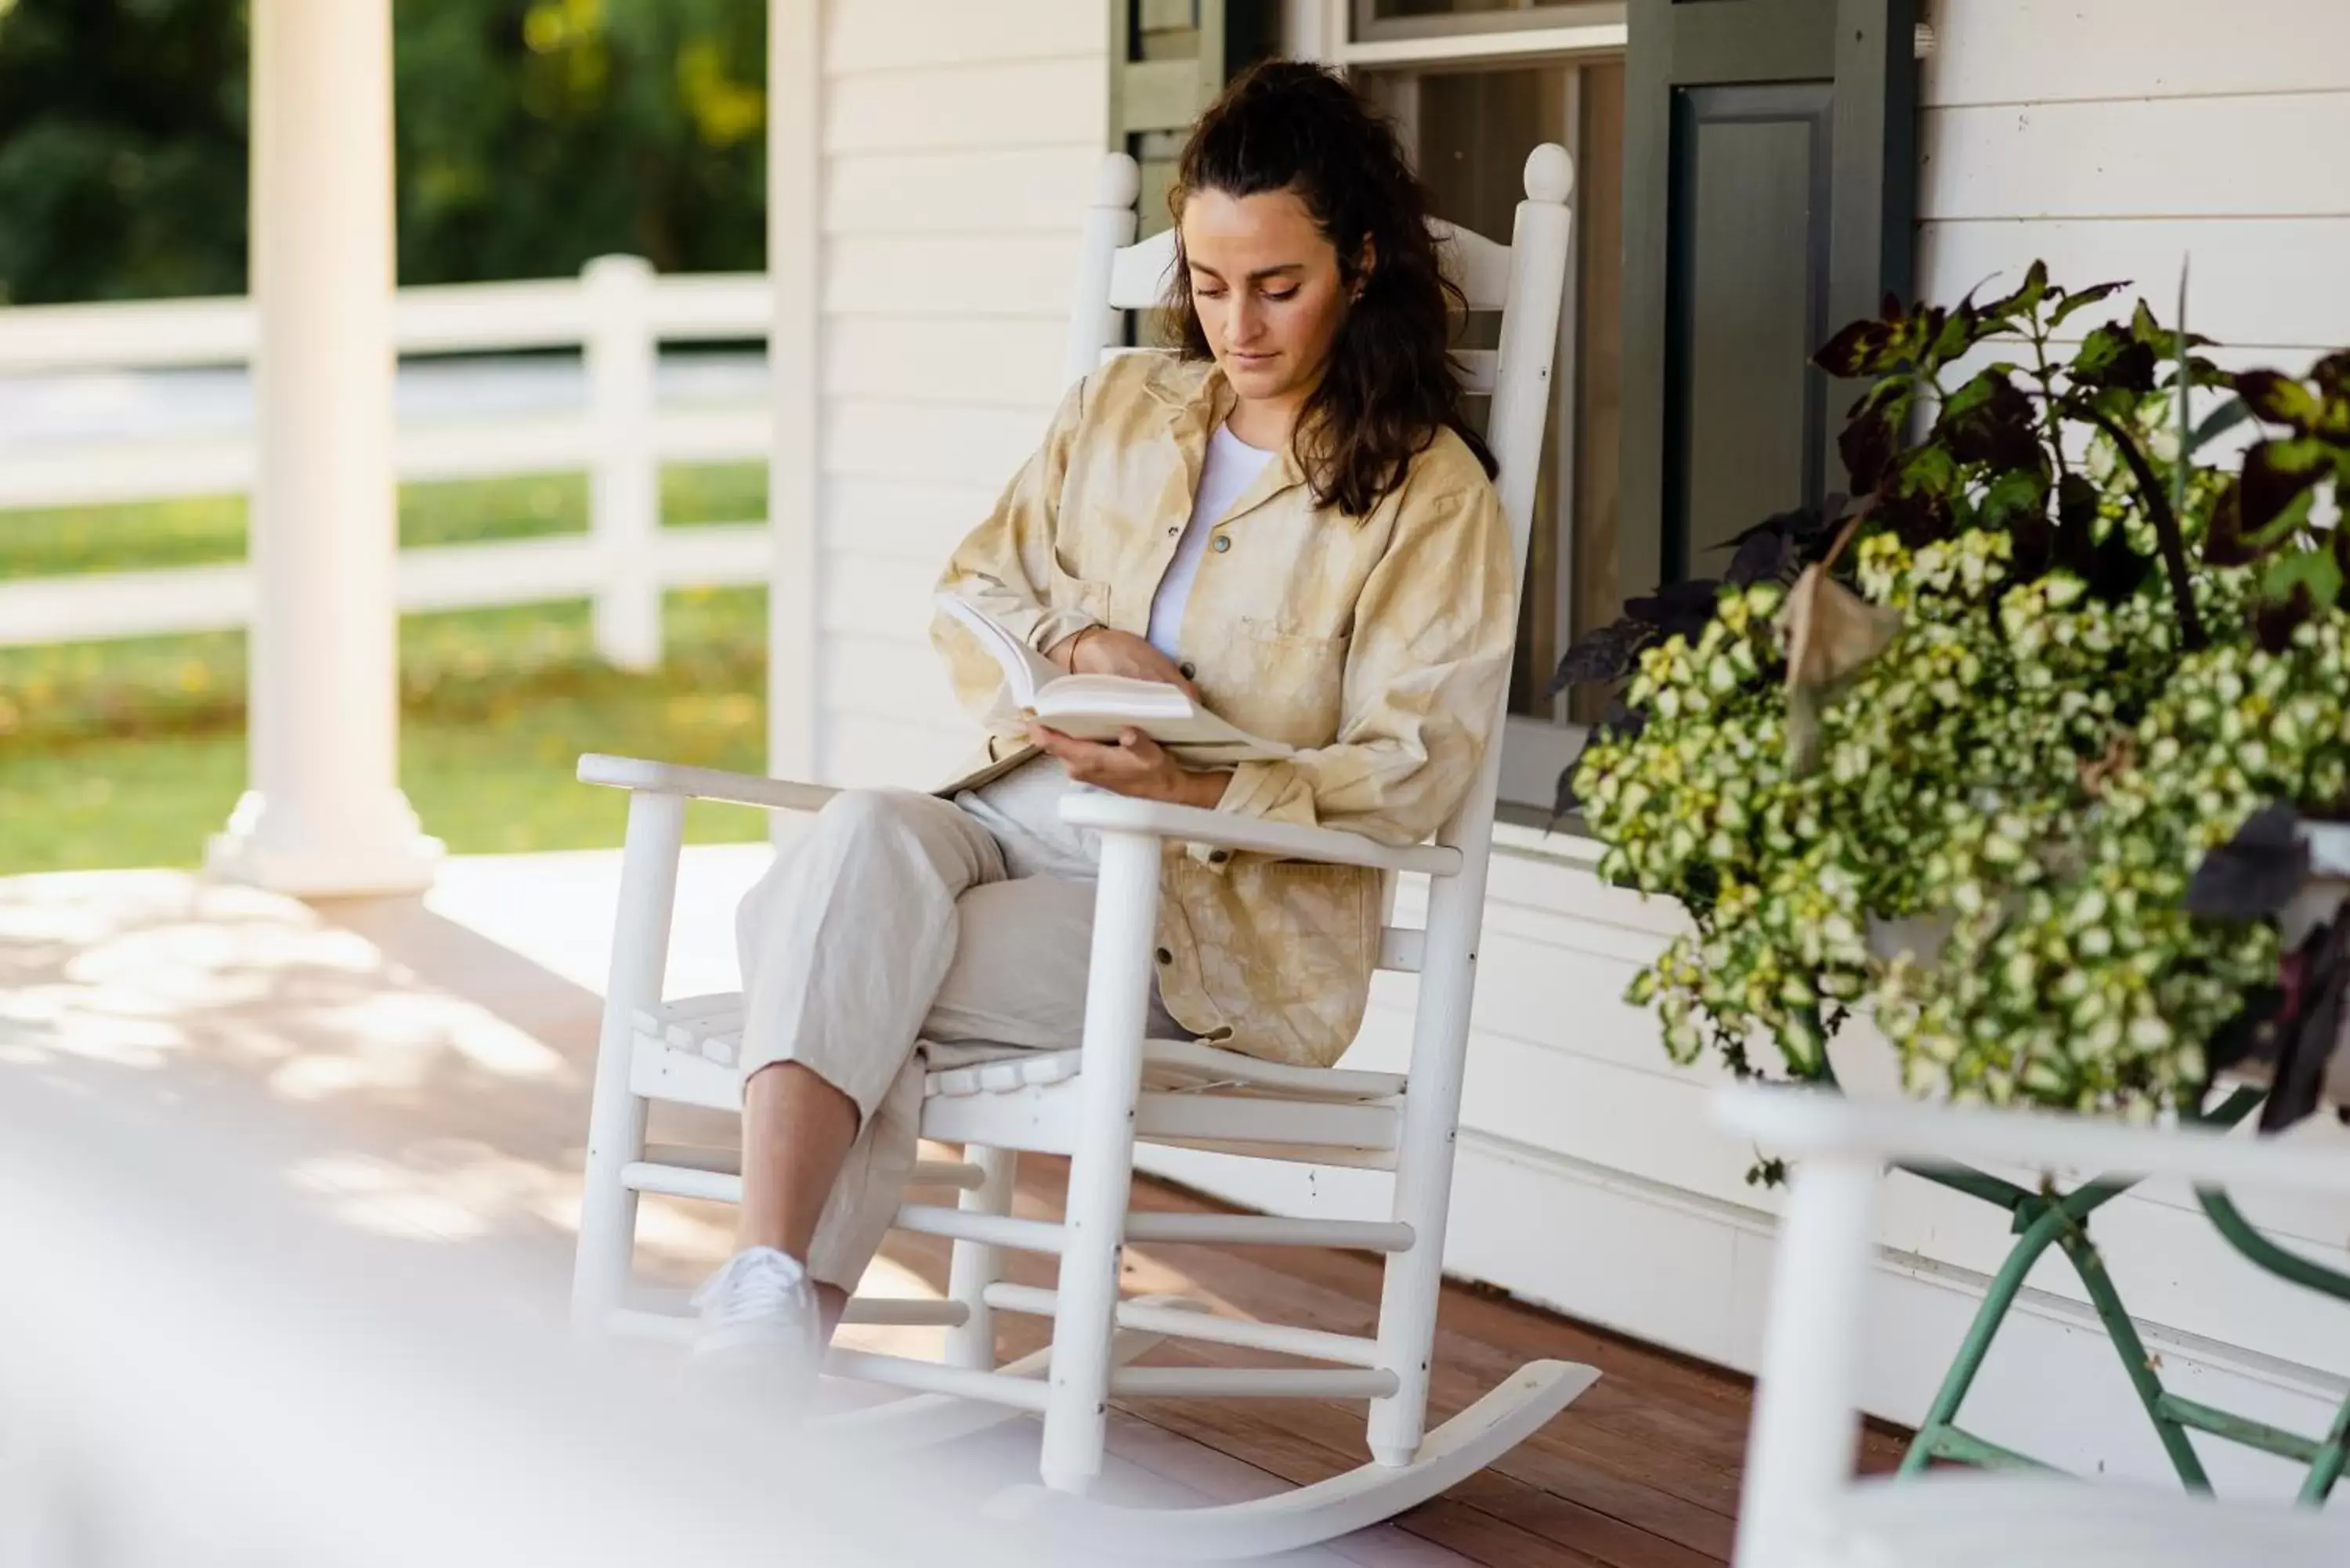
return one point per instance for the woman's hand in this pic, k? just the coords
(1136, 765)
(1102, 651)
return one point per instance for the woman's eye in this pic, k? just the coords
(1285, 294)
(1208, 293)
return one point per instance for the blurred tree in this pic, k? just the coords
(121, 148)
(533, 134)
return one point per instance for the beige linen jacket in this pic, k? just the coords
(1377, 645)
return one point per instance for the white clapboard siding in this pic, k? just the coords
(878, 595)
(982, 361)
(2117, 138)
(899, 35)
(1026, 275)
(896, 518)
(1018, 190)
(900, 677)
(2087, 50)
(868, 752)
(965, 106)
(2249, 157)
(944, 443)
(2270, 282)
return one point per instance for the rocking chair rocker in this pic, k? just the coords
(1094, 1101)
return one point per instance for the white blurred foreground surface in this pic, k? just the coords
(193, 1370)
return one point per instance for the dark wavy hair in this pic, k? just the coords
(1390, 384)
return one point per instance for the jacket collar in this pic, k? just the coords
(1197, 399)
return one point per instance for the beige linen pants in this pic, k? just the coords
(899, 919)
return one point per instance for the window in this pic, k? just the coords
(1384, 20)
(1477, 91)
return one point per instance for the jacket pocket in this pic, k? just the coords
(1294, 686)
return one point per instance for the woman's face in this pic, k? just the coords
(1265, 286)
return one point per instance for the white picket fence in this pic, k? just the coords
(617, 313)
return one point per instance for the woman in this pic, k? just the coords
(1287, 516)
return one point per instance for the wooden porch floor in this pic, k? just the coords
(435, 1056)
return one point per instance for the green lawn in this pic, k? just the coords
(129, 752)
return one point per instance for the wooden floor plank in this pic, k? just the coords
(1641, 1471)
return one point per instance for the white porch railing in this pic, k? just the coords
(199, 1368)
(617, 313)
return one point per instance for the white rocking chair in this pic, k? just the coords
(1094, 1101)
(1801, 1507)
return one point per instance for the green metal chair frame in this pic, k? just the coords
(2060, 1218)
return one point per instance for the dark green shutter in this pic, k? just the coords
(1770, 176)
(1168, 60)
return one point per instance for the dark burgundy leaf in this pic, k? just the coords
(2280, 399)
(2299, 1079)
(1918, 518)
(1891, 308)
(2076, 504)
(1860, 349)
(2116, 571)
(2332, 375)
(1761, 557)
(1678, 608)
(1990, 421)
(2276, 474)
(1867, 446)
(2224, 543)
(2111, 359)
(1622, 721)
(2081, 299)
(2255, 874)
(2032, 545)
(1564, 799)
(2275, 620)
(2254, 1034)
(1606, 654)
(1800, 523)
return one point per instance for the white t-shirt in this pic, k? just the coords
(1231, 467)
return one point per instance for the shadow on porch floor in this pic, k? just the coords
(421, 1066)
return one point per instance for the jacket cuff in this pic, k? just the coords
(1269, 791)
(1050, 626)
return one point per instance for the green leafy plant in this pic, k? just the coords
(2111, 652)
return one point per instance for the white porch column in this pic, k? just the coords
(796, 31)
(323, 813)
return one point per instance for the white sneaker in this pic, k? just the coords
(759, 1315)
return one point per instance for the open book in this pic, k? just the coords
(1096, 707)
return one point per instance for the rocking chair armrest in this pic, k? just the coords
(1801, 1122)
(1106, 813)
(643, 777)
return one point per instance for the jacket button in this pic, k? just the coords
(1187, 669)
(1166, 956)
(1223, 541)
(1218, 857)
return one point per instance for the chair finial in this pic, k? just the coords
(1550, 172)
(1118, 183)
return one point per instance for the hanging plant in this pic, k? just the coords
(1952, 751)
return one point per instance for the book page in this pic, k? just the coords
(1026, 671)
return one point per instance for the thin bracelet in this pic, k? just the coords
(1078, 641)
